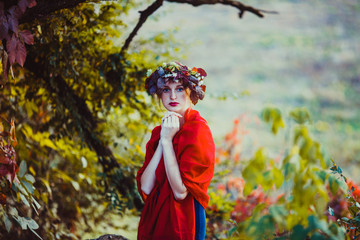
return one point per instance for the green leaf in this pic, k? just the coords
(232, 230)
(279, 213)
(299, 233)
(13, 211)
(30, 178)
(24, 200)
(22, 168)
(278, 177)
(32, 224)
(333, 184)
(29, 188)
(247, 189)
(8, 223)
(318, 236)
(300, 115)
(21, 221)
(75, 185)
(35, 202)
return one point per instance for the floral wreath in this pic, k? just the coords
(175, 71)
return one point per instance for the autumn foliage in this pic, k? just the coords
(14, 51)
(276, 198)
(8, 167)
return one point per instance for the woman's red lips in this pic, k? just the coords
(173, 104)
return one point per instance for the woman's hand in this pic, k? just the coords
(170, 125)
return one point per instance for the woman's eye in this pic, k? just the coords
(180, 89)
(166, 90)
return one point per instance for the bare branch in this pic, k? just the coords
(158, 3)
(143, 16)
(240, 6)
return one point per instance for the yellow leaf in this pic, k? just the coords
(31, 169)
(48, 143)
(294, 150)
(247, 189)
(1, 127)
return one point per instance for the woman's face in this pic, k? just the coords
(175, 98)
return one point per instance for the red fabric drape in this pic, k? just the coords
(163, 217)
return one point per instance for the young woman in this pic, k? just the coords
(179, 161)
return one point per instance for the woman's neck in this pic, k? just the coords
(182, 120)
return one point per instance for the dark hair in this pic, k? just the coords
(177, 72)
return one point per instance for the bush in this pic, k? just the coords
(284, 198)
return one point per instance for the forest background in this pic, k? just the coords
(77, 163)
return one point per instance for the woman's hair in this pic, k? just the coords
(192, 79)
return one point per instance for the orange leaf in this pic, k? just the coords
(2, 199)
(12, 133)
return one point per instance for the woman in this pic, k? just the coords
(179, 161)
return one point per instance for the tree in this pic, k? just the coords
(78, 101)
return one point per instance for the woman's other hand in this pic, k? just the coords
(170, 125)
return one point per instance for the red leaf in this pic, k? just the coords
(16, 50)
(3, 170)
(203, 87)
(11, 43)
(4, 27)
(11, 49)
(31, 3)
(5, 64)
(27, 37)
(13, 18)
(202, 72)
(20, 53)
(23, 4)
(3, 158)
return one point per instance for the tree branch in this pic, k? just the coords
(157, 4)
(240, 6)
(143, 16)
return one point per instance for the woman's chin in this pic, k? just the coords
(173, 109)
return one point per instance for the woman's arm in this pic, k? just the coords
(169, 128)
(148, 177)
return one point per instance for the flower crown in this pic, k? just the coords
(175, 71)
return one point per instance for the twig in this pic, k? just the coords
(240, 6)
(157, 4)
(143, 16)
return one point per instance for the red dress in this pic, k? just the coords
(163, 217)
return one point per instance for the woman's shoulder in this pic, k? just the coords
(195, 124)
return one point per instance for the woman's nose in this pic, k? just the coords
(173, 94)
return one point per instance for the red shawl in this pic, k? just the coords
(163, 217)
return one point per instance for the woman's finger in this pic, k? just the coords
(169, 113)
(175, 121)
(176, 114)
(165, 122)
